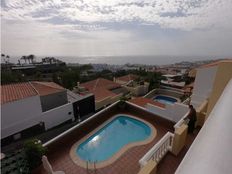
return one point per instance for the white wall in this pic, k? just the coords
(211, 150)
(19, 115)
(203, 85)
(22, 114)
(57, 115)
(173, 112)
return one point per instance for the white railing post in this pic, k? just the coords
(158, 151)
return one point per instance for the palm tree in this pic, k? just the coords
(31, 57)
(8, 58)
(24, 58)
(3, 57)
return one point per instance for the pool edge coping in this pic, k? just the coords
(78, 161)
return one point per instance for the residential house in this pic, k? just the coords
(105, 91)
(29, 108)
(133, 83)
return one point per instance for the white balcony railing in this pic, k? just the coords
(181, 121)
(158, 151)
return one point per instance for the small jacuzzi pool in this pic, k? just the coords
(165, 99)
(112, 137)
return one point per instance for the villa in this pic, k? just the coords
(167, 103)
(126, 79)
(173, 81)
(133, 84)
(105, 91)
(30, 108)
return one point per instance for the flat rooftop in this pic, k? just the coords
(128, 162)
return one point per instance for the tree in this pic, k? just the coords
(11, 77)
(154, 80)
(120, 73)
(34, 151)
(69, 78)
(24, 58)
(56, 77)
(31, 58)
(151, 84)
(8, 59)
(3, 56)
(86, 67)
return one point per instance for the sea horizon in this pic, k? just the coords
(121, 60)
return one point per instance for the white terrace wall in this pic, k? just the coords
(22, 114)
(57, 115)
(138, 90)
(173, 112)
(109, 100)
(203, 85)
(19, 115)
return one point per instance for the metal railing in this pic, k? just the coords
(158, 151)
(88, 168)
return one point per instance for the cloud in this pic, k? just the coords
(116, 27)
(180, 14)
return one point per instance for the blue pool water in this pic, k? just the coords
(112, 137)
(165, 99)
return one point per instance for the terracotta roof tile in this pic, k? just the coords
(13, 92)
(101, 93)
(143, 101)
(101, 88)
(18, 91)
(127, 78)
(100, 83)
(46, 88)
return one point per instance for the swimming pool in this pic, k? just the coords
(106, 142)
(165, 99)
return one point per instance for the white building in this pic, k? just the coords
(211, 150)
(36, 106)
(203, 84)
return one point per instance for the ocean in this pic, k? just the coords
(120, 60)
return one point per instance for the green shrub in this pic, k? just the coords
(34, 152)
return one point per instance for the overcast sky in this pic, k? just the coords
(117, 27)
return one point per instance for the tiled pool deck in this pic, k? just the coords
(58, 152)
